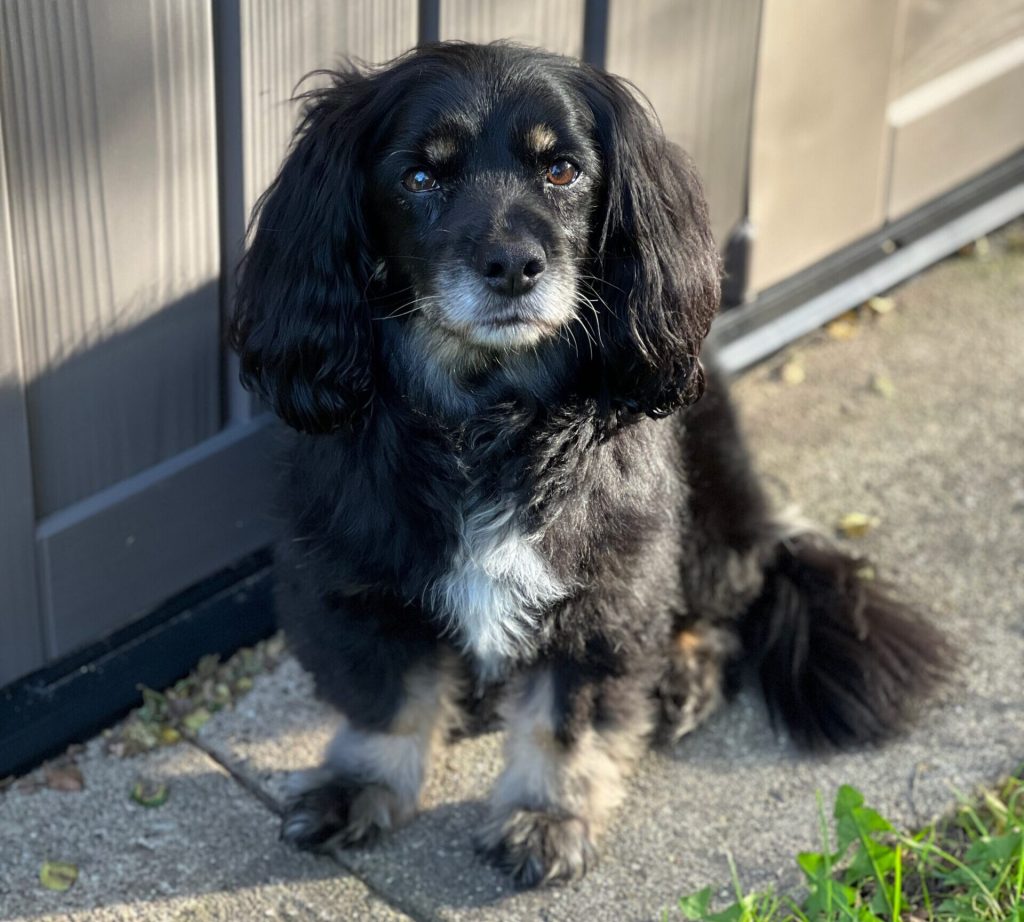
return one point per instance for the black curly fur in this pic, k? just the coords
(641, 562)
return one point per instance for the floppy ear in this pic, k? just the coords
(302, 325)
(657, 266)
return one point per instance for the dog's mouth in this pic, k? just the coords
(511, 318)
(466, 308)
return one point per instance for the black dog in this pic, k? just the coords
(478, 289)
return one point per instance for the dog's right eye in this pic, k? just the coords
(420, 180)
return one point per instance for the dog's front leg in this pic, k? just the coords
(567, 754)
(370, 779)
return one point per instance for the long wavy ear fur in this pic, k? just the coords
(301, 324)
(657, 266)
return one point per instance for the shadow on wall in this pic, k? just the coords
(131, 400)
(125, 489)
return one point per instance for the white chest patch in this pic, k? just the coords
(495, 588)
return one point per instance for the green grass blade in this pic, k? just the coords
(985, 893)
(897, 887)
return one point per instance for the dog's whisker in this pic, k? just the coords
(415, 304)
(584, 300)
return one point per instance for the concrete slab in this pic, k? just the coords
(209, 853)
(940, 461)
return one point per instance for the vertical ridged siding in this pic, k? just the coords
(941, 35)
(282, 42)
(109, 146)
(21, 635)
(694, 59)
(555, 26)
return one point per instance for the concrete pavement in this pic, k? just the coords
(917, 418)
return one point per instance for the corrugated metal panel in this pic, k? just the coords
(282, 42)
(555, 26)
(941, 35)
(955, 106)
(695, 62)
(21, 636)
(109, 143)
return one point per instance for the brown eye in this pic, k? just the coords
(562, 173)
(420, 180)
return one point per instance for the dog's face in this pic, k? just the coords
(483, 203)
(483, 196)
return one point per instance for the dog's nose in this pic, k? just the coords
(512, 267)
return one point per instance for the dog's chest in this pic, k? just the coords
(496, 586)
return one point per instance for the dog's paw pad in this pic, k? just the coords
(538, 848)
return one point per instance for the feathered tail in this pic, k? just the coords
(840, 660)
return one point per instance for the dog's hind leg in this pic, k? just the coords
(840, 660)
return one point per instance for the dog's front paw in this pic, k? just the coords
(537, 847)
(325, 812)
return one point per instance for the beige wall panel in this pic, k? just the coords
(954, 127)
(108, 115)
(694, 60)
(555, 26)
(284, 41)
(818, 166)
(941, 35)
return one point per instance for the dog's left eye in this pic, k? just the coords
(562, 173)
(420, 180)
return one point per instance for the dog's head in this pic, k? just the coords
(479, 208)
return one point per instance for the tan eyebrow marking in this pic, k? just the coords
(440, 149)
(540, 139)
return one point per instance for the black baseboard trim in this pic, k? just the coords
(76, 697)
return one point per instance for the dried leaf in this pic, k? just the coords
(193, 721)
(977, 249)
(138, 736)
(792, 373)
(29, 784)
(207, 665)
(243, 685)
(154, 705)
(64, 778)
(149, 793)
(882, 384)
(58, 875)
(857, 524)
(881, 305)
(844, 327)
